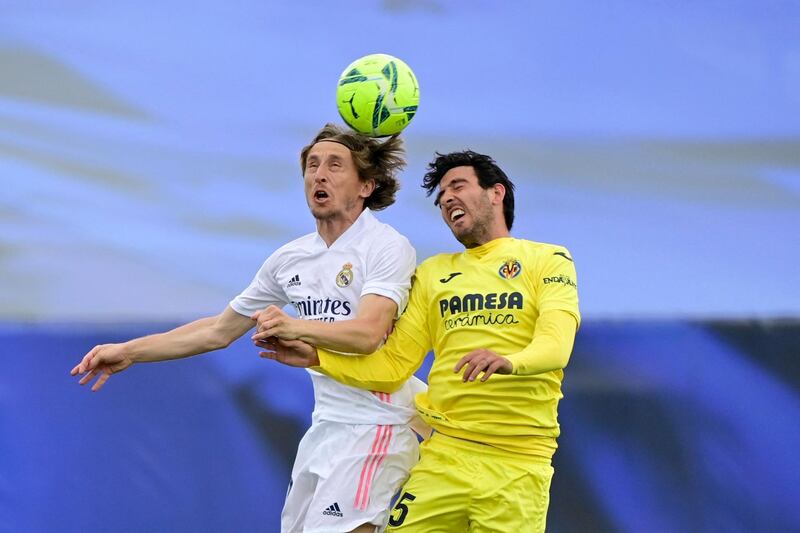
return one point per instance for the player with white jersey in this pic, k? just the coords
(359, 448)
(347, 282)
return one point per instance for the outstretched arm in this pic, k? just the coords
(388, 368)
(362, 334)
(200, 336)
(385, 370)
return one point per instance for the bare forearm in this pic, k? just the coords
(348, 336)
(362, 334)
(194, 338)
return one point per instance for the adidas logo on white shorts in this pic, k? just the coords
(333, 510)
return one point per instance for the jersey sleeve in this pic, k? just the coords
(390, 271)
(393, 364)
(556, 283)
(264, 290)
(550, 347)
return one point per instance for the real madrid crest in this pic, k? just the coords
(510, 269)
(345, 275)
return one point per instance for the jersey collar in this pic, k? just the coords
(364, 220)
(479, 252)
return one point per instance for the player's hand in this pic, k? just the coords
(482, 360)
(274, 322)
(102, 360)
(291, 353)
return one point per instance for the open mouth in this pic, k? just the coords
(320, 195)
(456, 214)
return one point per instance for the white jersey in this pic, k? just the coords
(326, 284)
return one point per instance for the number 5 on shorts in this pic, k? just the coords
(403, 509)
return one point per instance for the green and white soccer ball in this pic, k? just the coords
(377, 95)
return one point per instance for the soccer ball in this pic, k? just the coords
(377, 95)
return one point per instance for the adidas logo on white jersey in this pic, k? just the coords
(333, 510)
(294, 282)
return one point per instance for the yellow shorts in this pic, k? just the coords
(460, 485)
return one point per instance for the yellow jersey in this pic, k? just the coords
(488, 297)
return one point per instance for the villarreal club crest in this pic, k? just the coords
(510, 269)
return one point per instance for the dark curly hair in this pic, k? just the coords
(486, 169)
(374, 160)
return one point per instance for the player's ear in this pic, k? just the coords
(367, 188)
(498, 193)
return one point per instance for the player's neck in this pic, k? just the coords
(496, 230)
(330, 229)
(474, 243)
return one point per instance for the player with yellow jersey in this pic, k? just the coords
(503, 307)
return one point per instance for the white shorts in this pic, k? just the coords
(345, 475)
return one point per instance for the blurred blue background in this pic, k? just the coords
(149, 164)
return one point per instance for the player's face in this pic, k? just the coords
(331, 182)
(466, 207)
